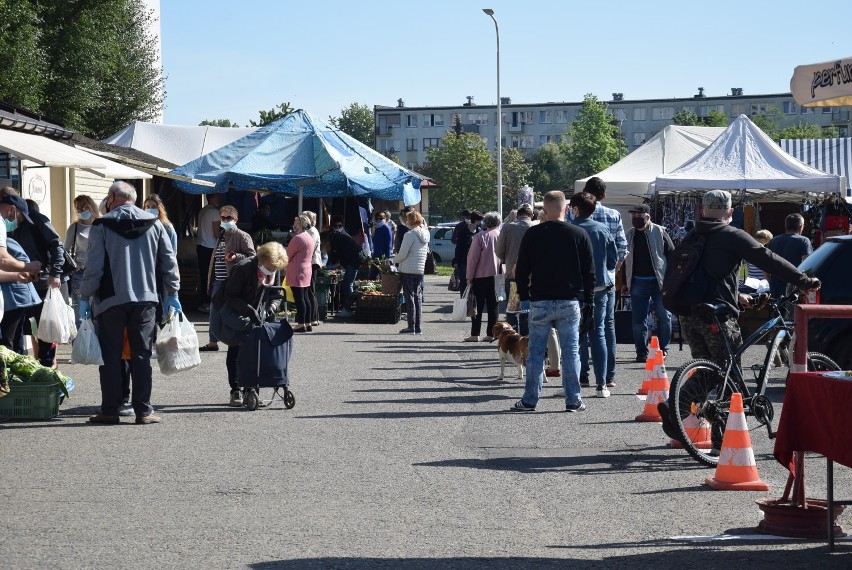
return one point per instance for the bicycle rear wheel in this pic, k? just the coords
(698, 407)
(818, 362)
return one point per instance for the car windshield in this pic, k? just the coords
(818, 260)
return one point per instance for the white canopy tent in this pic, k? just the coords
(627, 180)
(745, 159)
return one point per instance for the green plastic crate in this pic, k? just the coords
(31, 401)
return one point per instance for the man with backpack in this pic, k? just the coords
(704, 268)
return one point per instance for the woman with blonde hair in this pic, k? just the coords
(242, 292)
(154, 205)
(300, 252)
(316, 264)
(77, 244)
(411, 262)
(482, 266)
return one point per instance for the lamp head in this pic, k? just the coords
(488, 11)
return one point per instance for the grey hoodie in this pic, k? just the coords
(128, 250)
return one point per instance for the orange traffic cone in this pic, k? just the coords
(698, 430)
(736, 470)
(657, 392)
(649, 373)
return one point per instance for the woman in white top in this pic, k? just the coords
(411, 261)
(316, 264)
(77, 244)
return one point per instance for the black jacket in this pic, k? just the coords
(344, 250)
(555, 262)
(242, 290)
(41, 243)
(724, 250)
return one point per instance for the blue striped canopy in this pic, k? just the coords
(301, 152)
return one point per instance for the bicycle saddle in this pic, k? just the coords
(707, 310)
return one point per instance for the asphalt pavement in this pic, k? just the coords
(399, 453)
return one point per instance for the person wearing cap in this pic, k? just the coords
(129, 253)
(41, 242)
(508, 245)
(649, 247)
(9, 211)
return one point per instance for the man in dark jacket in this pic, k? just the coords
(129, 250)
(555, 272)
(347, 253)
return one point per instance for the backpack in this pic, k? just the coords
(685, 282)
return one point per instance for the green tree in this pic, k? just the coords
(593, 142)
(516, 173)
(686, 118)
(769, 121)
(465, 170)
(713, 119)
(218, 123)
(90, 64)
(357, 121)
(547, 172)
(271, 115)
(806, 131)
(716, 119)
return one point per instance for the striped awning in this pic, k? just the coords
(833, 156)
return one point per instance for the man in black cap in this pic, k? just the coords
(648, 247)
(9, 209)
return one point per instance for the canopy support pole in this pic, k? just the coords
(300, 198)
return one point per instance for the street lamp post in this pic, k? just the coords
(490, 12)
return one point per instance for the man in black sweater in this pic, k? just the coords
(555, 273)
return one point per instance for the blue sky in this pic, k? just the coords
(228, 60)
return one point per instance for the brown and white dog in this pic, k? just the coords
(511, 347)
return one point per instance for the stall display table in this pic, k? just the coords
(815, 418)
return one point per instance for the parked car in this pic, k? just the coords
(830, 264)
(443, 249)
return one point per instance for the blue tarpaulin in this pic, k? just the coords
(301, 152)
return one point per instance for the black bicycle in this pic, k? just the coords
(700, 393)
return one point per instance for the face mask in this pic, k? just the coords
(11, 225)
(638, 223)
(265, 271)
(154, 211)
(228, 226)
(380, 224)
(85, 215)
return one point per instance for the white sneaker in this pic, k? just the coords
(602, 392)
(471, 339)
(236, 400)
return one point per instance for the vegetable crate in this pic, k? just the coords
(378, 308)
(31, 401)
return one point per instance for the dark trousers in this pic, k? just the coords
(304, 308)
(231, 366)
(412, 290)
(204, 254)
(9, 327)
(139, 320)
(519, 321)
(483, 288)
(312, 293)
(46, 350)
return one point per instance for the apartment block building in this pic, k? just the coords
(408, 132)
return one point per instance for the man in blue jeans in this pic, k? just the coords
(555, 271)
(605, 255)
(648, 247)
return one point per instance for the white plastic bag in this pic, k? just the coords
(72, 322)
(177, 345)
(460, 305)
(53, 324)
(500, 286)
(87, 347)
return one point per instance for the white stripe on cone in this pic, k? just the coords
(737, 457)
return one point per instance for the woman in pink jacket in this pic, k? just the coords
(482, 266)
(300, 251)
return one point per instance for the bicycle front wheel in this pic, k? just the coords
(698, 406)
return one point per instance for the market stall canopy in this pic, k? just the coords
(829, 155)
(52, 153)
(745, 158)
(627, 180)
(301, 155)
(827, 84)
(177, 144)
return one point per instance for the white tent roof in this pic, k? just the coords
(745, 158)
(627, 180)
(176, 143)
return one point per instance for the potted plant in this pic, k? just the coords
(391, 282)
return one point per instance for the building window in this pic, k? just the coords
(503, 140)
(410, 144)
(545, 139)
(477, 118)
(737, 109)
(788, 107)
(661, 113)
(704, 110)
(619, 114)
(388, 146)
(411, 165)
(826, 110)
(545, 117)
(431, 143)
(433, 120)
(558, 139)
(411, 120)
(639, 114)
(563, 116)
(806, 110)
(758, 108)
(638, 139)
(10, 169)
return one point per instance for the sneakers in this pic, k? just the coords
(208, 348)
(236, 400)
(602, 392)
(610, 383)
(641, 359)
(104, 419)
(149, 419)
(471, 338)
(418, 331)
(345, 314)
(205, 308)
(578, 407)
(126, 409)
(584, 382)
(407, 330)
(520, 406)
(488, 339)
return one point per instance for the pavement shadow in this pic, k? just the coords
(720, 555)
(404, 415)
(462, 399)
